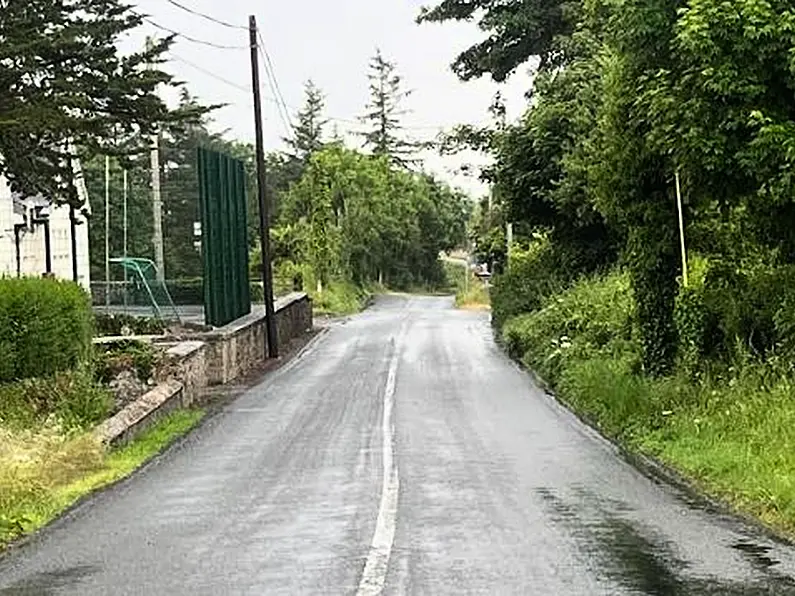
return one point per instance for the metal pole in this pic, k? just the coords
(509, 242)
(47, 247)
(264, 215)
(124, 232)
(73, 231)
(107, 230)
(18, 242)
(681, 229)
(157, 209)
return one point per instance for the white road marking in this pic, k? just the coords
(375, 569)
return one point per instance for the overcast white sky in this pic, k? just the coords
(331, 42)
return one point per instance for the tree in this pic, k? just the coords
(308, 136)
(384, 113)
(364, 220)
(517, 30)
(64, 85)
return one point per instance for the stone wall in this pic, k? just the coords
(236, 349)
(210, 358)
(186, 362)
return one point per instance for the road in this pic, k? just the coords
(401, 454)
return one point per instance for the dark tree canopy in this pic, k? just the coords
(64, 85)
(308, 132)
(517, 30)
(384, 112)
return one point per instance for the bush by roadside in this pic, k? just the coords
(340, 298)
(72, 398)
(46, 326)
(729, 427)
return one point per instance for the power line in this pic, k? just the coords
(284, 113)
(210, 73)
(205, 16)
(189, 38)
(274, 100)
(273, 82)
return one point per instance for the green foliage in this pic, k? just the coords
(46, 327)
(473, 296)
(58, 90)
(125, 355)
(308, 131)
(384, 111)
(593, 318)
(113, 324)
(44, 471)
(72, 398)
(517, 30)
(354, 217)
(339, 298)
(532, 276)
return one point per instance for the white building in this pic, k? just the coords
(24, 227)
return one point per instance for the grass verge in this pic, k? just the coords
(474, 297)
(471, 294)
(44, 472)
(339, 299)
(731, 431)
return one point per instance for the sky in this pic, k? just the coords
(331, 42)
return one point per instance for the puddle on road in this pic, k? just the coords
(49, 582)
(626, 555)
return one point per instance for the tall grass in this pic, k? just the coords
(470, 292)
(339, 298)
(44, 471)
(732, 432)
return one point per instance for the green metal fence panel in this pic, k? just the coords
(222, 200)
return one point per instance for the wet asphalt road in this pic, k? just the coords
(491, 488)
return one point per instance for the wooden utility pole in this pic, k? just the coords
(264, 215)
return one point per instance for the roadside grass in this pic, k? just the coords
(730, 432)
(44, 471)
(339, 299)
(473, 295)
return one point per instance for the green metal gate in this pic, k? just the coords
(222, 200)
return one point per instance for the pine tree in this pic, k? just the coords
(308, 136)
(384, 113)
(65, 85)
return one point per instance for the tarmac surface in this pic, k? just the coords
(402, 453)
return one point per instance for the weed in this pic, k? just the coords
(45, 471)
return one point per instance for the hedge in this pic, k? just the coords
(46, 326)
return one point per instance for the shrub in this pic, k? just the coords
(46, 327)
(531, 277)
(125, 355)
(593, 318)
(71, 397)
(339, 298)
(112, 325)
(186, 291)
